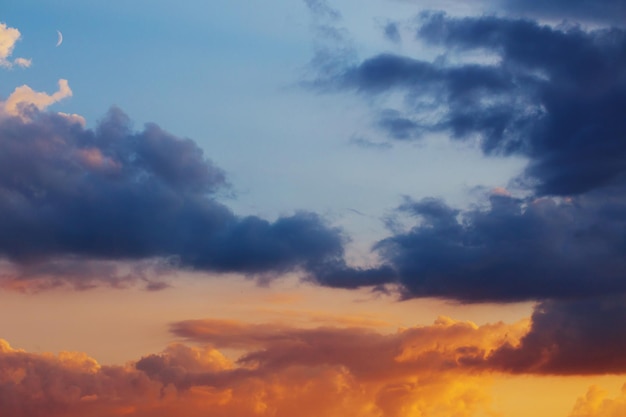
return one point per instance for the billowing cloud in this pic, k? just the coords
(596, 403)
(512, 250)
(437, 370)
(8, 38)
(283, 371)
(112, 194)
(73, 384)
(570, 337)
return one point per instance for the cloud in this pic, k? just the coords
(321, 9)
(333, 48)
(72, 194)
(437, 347)
(437, 370)
(73, 384)
(283, 371)
(8, 38)
(611, 12)
(83, 274)
(392, 32)
(555, 95)
(512, 250)
(558, 103)
(570, 337)
(596, 404)
(24, 99)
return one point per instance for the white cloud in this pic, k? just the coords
(8, 37)
(25, 97)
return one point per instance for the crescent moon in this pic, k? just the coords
(60, 40)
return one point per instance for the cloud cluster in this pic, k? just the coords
(555, 95)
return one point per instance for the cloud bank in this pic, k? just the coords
(437, 370)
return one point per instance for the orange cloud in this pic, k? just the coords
(283, 371)
(597, 404)
(440, 370)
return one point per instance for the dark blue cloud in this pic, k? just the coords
(554, 95)
(115, 194)
(513, 250)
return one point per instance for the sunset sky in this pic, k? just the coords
(376, 208)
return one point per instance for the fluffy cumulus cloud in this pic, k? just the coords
(8, 38)
(513, 249)
(114, 194)
(596, 403)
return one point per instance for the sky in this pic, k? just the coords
(378, 208)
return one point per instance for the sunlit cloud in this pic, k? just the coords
(282, 371)
(8, 38)
(597, 403)
(24, 99)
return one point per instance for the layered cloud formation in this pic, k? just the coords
(283, 371)
(437, 370)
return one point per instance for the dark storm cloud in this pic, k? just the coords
(555, 95)
(514, 250)
(115, 194)
(570, 337)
